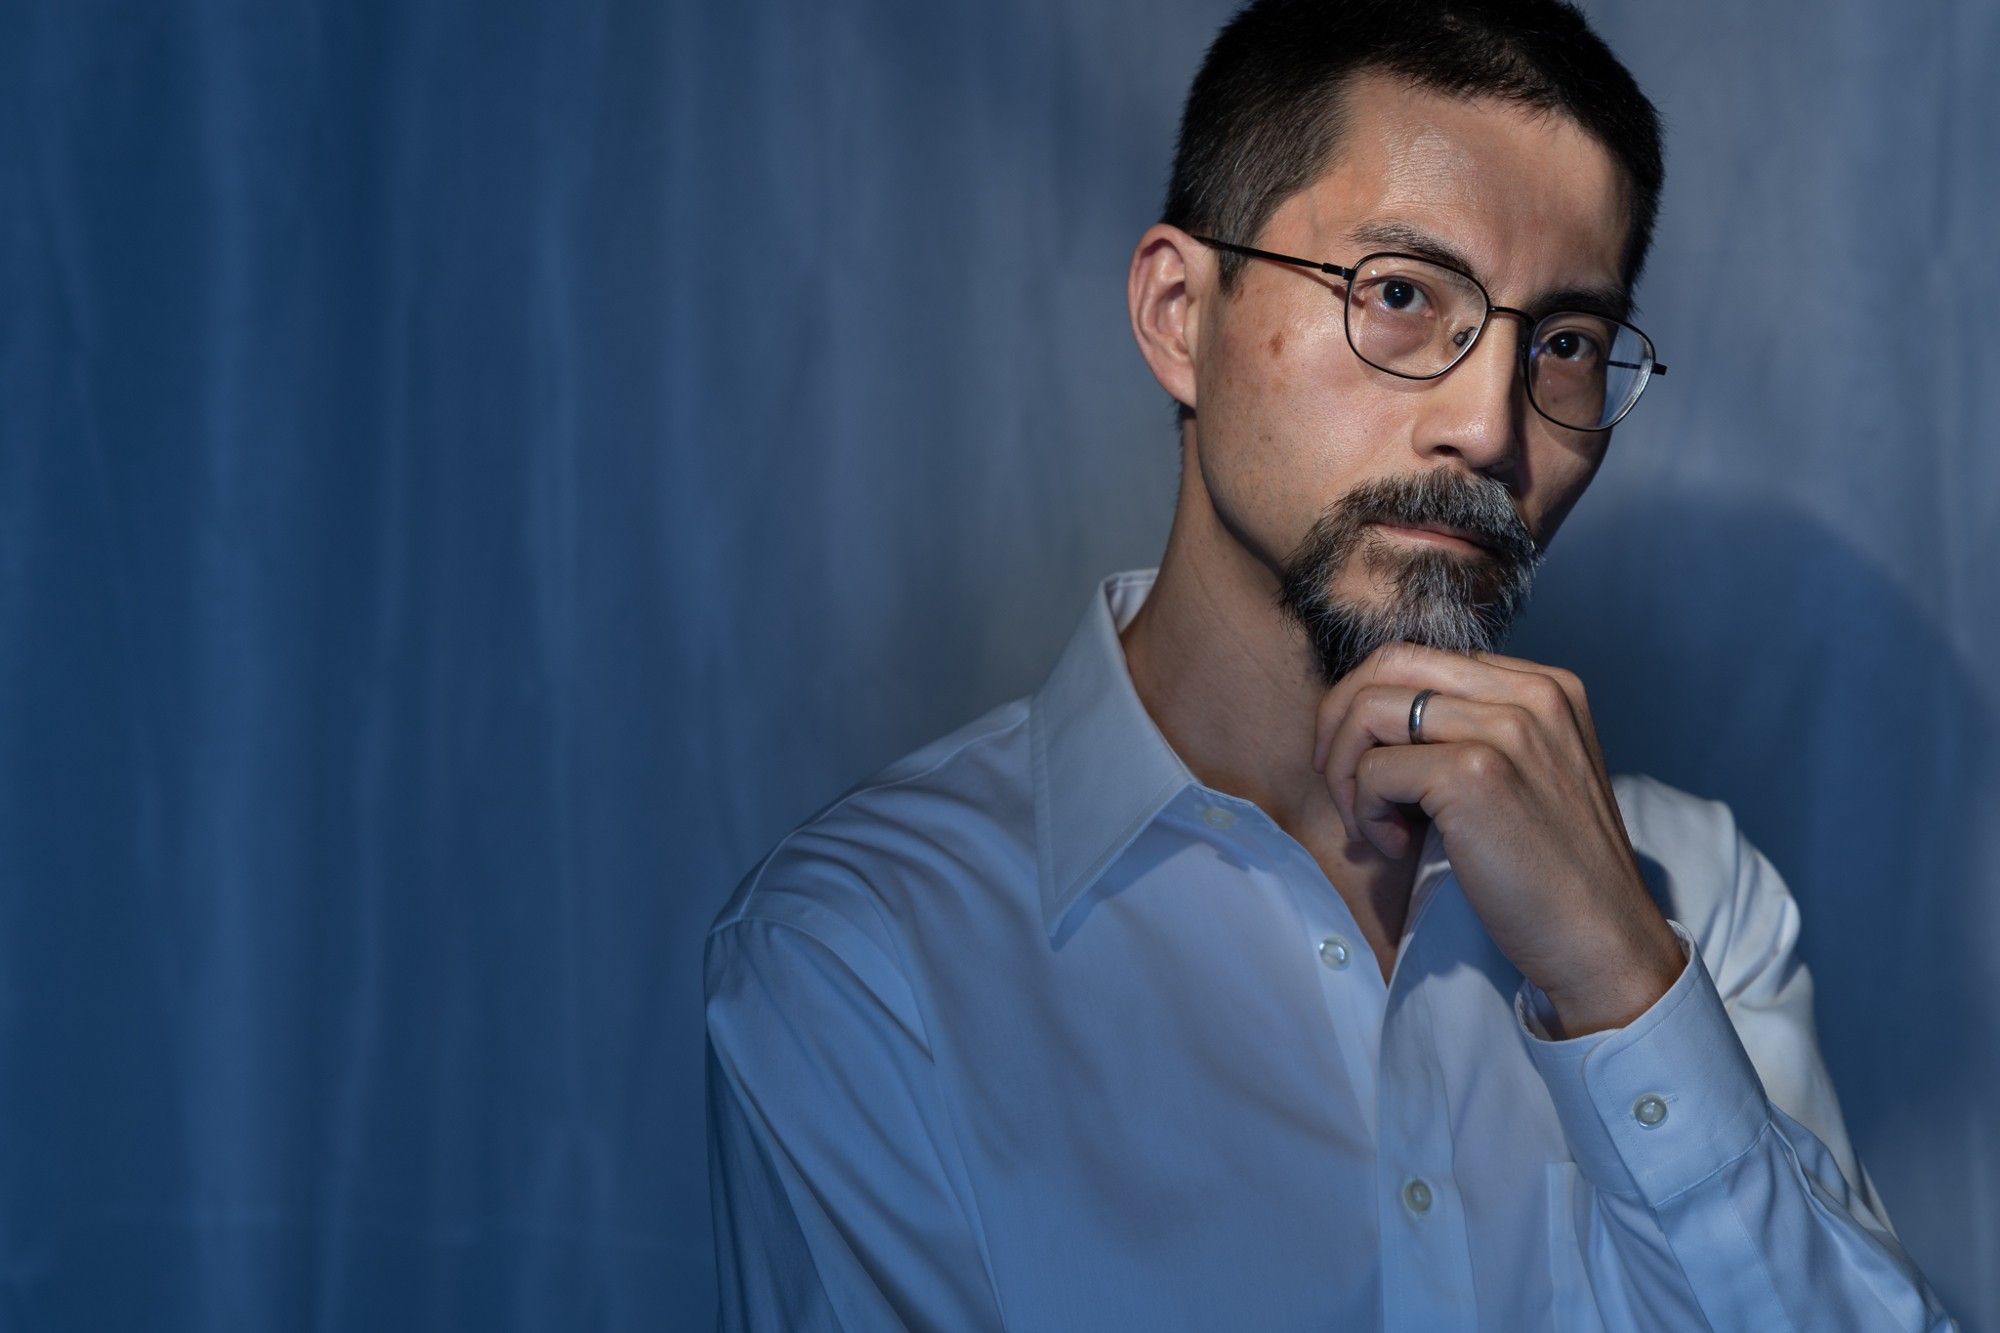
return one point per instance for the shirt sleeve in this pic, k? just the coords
(1707, 1199)
(832, 1168)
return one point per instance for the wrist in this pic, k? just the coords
(1621, 984)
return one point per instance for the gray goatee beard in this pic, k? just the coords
(1443, 597)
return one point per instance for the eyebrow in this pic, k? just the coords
(1613, 302)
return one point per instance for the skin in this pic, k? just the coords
(1287, 422)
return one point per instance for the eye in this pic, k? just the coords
(1394, 293)
(1571, 345)
(1400, 294)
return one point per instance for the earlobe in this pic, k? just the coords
(1161, 297)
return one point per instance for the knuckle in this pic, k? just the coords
(1549, 694)
(1516, 727)
(1480, 764)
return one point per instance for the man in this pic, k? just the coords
(1290, 959)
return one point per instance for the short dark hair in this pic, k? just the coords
(1266, 109)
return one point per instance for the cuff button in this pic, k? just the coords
(1650, 1109)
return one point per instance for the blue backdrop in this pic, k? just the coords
(473, 473)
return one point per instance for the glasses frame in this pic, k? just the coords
(1649, 366)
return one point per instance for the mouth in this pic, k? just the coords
(1442, 536)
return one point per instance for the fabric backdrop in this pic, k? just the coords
(474, 473)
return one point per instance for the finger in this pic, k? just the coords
(1371, 720)
(1548, 692)
(1427, 776)
(1335, 703)
(1387, 779)
(1417, 666)
(1557, 696)
(1567, 681)
(1381, 716)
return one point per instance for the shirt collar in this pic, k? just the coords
(1102, 768)
(1103, 771)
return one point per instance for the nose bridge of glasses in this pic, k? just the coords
(1528, 323)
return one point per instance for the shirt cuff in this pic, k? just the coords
(1660, 1104)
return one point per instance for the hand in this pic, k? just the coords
(1511, 774)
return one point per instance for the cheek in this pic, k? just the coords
(1280, 383)
(1288, 432)
(1568, 474)
(1254, 372)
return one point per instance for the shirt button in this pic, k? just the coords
(1216, 817)
(1650, 1109)
(1417, 1195)
(1333, 951)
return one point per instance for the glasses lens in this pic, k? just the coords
(1411, 317)
(1586, 371)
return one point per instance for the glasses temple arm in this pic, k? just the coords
(1334, 269)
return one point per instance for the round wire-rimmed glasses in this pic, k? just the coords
(1417, 318)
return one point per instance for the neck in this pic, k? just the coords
(1231, 684)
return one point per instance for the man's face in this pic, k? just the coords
(1314, 459)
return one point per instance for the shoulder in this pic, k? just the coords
(869, 834)
(1705, 873)
(847, 877)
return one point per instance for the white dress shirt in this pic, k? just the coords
(1033, 1030)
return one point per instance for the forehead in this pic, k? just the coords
(1528, 197)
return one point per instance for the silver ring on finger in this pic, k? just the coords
(1417, 716)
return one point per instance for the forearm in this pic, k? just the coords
(1698, 1190)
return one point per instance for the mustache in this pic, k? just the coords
(1434, 596)
(1482, 510)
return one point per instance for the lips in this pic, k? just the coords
(1459, 533)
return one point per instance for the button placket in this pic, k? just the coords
(1420, 1209)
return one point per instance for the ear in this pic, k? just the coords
(1172, 274)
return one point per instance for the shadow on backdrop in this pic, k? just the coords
(1751, 655)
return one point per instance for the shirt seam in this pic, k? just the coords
(1766, 1128)
(864, 789)
(976, 1219)
(770, 1167)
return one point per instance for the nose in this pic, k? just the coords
(1478, 409)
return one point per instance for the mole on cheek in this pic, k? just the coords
(1277, 342)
